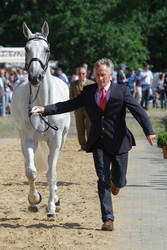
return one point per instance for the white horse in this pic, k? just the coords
(40, 88)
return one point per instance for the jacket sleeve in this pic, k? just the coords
(138, 112)
(64, 107)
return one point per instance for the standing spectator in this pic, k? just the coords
(81, 116)
(62, 76)
(138, 86)
(85, 66)
(146, 83)
(165, 90)
(52, 71)
(20, 73)
(114, 77)
(88, 72)
(75, 76)
(13, 76)
(131, 77)
(160, 89)
(7, 90)
(121, 78)
(2, 93)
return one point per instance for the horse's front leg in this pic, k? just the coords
(53, 201)
(29, 147)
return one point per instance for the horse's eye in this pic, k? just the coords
(47, 50)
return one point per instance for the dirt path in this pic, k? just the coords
(140, 220)
(77, 226)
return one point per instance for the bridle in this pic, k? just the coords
(44, 67)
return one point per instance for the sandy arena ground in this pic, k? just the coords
(140, 208)
(79, 221)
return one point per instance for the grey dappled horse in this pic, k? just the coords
(39, 88)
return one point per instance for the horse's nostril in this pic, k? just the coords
(34, 79)
(40, 77)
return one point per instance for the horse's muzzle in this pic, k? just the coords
(35, 81)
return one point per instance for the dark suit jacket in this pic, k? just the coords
(111, 123)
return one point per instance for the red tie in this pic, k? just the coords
(103, 99)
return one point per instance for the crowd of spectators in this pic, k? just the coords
(7, 81)
(139, 83)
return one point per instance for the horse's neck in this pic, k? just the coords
(42, 95)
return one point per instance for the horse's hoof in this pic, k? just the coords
(51, 217)
(34, 202)
(33, 209)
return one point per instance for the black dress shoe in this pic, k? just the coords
(108, 225)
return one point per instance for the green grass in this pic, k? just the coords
(158, 119)
(7, 127)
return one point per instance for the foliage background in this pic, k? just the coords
(132, 32)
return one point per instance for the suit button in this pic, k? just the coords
(102, 117)
(102, 128)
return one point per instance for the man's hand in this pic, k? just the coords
(151, 139)
(37, 110)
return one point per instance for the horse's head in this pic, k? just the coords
(37, 53)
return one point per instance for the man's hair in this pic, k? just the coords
(81, 68)
(104, 61)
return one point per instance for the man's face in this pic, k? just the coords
(103, 75)
(58, 72)
(147, 67)
(82, 74)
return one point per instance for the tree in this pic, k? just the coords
(86, 30)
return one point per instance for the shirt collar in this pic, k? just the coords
(83, 80)
(107, 86)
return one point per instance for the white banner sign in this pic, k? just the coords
(12, 55)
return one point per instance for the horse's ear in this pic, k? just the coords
(45, 29)
(26, 31)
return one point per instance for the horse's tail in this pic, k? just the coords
(41, 157)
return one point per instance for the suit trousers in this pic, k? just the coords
(107, 174)
(145, 96)
(83, 126)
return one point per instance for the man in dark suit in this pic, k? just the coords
(109, 139)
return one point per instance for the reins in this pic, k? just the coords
(42, 118)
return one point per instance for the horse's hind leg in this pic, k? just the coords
(53, 200)
(29, 147)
